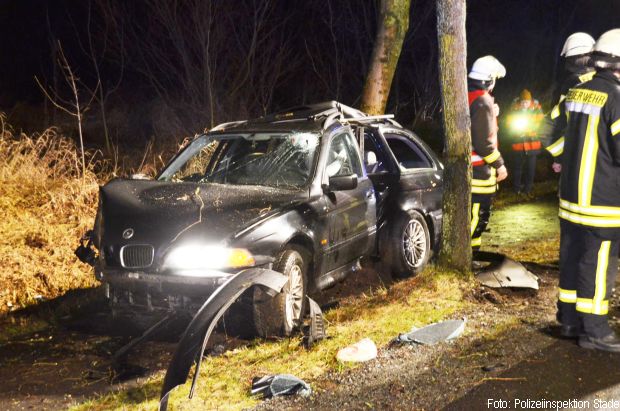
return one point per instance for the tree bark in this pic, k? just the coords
(393, 25)
(456, 247)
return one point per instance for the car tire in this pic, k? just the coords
(407, 248)
(282, 314)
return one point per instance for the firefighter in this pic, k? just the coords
(487, 162)
(576, 55)
(590, 201)
(523, 122)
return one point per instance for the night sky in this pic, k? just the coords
(525, 35)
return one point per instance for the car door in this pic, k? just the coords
(381, 169)
(351, 213)
(420, 184)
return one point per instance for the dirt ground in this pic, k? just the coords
(525, 359)
(510, 350)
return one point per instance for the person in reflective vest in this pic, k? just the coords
(523, 123)
(487, 163)
(590, 201)
(576, 55)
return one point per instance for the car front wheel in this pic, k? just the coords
(283, 314)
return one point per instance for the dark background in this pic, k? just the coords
(154, 75)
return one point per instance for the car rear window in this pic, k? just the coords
(408, 154)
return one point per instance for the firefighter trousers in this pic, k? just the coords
(480, 214)
(588, 269)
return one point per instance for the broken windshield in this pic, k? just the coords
(267, 159)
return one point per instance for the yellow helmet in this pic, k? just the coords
(525, 95)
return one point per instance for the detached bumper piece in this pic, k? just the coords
(194, 341)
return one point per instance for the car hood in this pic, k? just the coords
(160, 213)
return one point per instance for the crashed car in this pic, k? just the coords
(306, 192)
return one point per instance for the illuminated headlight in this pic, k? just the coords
(201, 257)
(520, 123)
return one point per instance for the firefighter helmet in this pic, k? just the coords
(606, 52)
(577, 44)
(487, 68)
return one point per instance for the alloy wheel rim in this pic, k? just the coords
(414, 243)
(294, 296)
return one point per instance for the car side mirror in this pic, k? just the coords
(343, 183)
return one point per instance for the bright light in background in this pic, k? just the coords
(520, 123)
(203, 257)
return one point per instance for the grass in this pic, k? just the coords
(46, 206)
(381, 315)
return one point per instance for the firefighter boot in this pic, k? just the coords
(610, 342)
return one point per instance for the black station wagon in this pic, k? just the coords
(307, 192)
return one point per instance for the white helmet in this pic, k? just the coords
(606, 52)
(577, 44)
(487, 68)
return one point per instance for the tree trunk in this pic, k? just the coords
(456, 248)
(393, 25)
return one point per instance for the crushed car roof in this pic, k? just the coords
(311, 117)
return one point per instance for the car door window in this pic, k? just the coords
(343, 159)
(408, 154)
(379, 164)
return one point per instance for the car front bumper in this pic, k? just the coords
(143, 291)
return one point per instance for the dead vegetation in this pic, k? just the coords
(46, 205)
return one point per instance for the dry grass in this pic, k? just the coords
(46, 205)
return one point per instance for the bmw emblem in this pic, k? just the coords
(128, 233)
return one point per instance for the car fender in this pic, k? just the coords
(271, 234)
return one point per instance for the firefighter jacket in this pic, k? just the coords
(590, 180)
(523, 125)
(485, 157)
(554, 123)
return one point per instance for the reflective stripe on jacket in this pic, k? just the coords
(554, 123)
(590, 181)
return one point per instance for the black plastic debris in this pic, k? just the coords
(433, 333)
(316, 330)
(281, 384)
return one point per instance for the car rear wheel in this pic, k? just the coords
(407, 248)
(283, 314)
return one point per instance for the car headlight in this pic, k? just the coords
(203, 257)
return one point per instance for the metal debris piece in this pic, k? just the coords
(316, 330)
(434, 333)
(504, 272)
(194, 341)
(364, 350)
(120, 356)
(281, 384)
